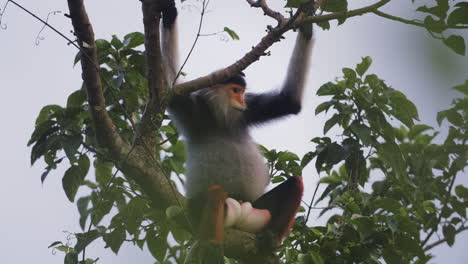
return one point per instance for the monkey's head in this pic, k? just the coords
(235, 93)
(227, 99)
(235, 89)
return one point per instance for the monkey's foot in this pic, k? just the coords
(244, 217)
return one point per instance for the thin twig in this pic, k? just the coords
(200, 25)
(2, 11)
(430, 246)
(38, 37)
(410, 22)
(267, 11)
(256, 52)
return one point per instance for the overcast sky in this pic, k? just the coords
(31, 76)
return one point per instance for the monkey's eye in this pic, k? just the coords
(236, 90)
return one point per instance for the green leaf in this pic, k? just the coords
(44, 145)
(416, 130)
(311, 257)
(180, 235)
(429, 206)
(231, 33)
(391, 154)
(74, 177)
(459, 15)
(307, 158)
(325, 25)
(115, 239)
(331, 123)
(76, 99)
(456, 43)
(103, 47)
(362, 132)
(278, 179)
(294, 3)
(84, 239)
(77, 58)
(330, 89)
(452, 116)
(388, 204)
(449, 234)
(362, 67)
(408, 244)
(331, 180)
(437, 26)
(157, 247)
(71, 258)
(46, 112)
(173, 211)
(440, 10)
(349, 74)
(103, 171)
(116, 43)
(71, 144)
(82, 205)
(134, 39)
(463, 88)
(461, 191)
(324, 106)
(55, 244)
(403, 109)
(287, 156)
(332, 154)
(334, 5)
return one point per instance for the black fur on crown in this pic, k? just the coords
(237, 79)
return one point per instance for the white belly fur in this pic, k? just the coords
(237, 166)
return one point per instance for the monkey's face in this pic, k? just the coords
(236, 96)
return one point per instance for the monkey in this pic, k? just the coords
(226, 173)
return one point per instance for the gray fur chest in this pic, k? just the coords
(237, 166)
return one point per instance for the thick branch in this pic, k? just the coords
(273, 36)
(106, 133)
(157, 85)
(139, 164)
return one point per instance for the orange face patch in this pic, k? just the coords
(236, 95)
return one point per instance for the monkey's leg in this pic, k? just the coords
(209, 248)
(211, 226)
(282, 202)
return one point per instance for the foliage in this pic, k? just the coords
(388, 184)
(388, 189)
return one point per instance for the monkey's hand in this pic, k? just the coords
(169, 14)
(307, 30)
(244, 217)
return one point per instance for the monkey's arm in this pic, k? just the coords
(267, 106)
(179, 105)
(170, 43)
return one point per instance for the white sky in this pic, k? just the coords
(34, 215)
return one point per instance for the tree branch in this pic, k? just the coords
(157, 85)
(259, 50)
(106, 134)
(267, 11)
(430, 246)
(409, 22)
